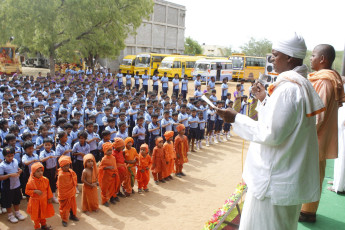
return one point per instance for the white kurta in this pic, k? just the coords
(339, 163)
(282, 164)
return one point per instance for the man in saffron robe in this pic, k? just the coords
(328, 84)
(89, 179)
(108, 176)
(66, 187)
(40, 204)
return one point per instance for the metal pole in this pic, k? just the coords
(343, 68)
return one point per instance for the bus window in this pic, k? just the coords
(190, 64)
(177, 64)
(213, 66)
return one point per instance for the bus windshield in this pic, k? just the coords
(237, 63)
(202, 66)
(127, 62)
(142, 62)
(166, 65)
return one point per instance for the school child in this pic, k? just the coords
(228, 99)
(68, 129)
(28, 159)
(143, 174)
(155, 83)
(106, 137)
(119, 77)
(11, 140)
(197, 81)
(107, 112)
(60, 124)
(184, 86)
(176, 84)
(3, 130)
(242, 87)
(224, 88)
(198, 94)
(80, 149)
(98, 112)
(165, 82)
(200, 130)
(238, 98)
(10, 189)
(145, 78)
(131, 159)
(128, 79)
(66, 187)
(136, 80)
(213, 96)
(133, 113)
(111, 127)
(218, 125)
(212, 83)
(40, 203)
(175, 123)
(89, 179)
(154, 130)
(118, 146)
(244, 105)
(62, 148)
(166, 123)
(181, 148)
(122, 133)
(158, 161)
(92, 118)
(42, 133)
(169, 155)
(193, 122)
(48, 158)
(183, 118)
(31, 129)
(108, 176)
(92, 139)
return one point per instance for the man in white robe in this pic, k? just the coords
(282, 168)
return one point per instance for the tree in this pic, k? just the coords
(226, 52)
(72, 29)
(257, 48)
(192, 47)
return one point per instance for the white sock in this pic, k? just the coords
(17, 212)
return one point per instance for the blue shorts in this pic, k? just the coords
(218, 125)
(210, 125)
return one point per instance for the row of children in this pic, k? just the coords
(119, 168)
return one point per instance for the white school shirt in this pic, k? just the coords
(164, 81)
(184, 85)
(145, 79)
(137, 130)
(168, 123)
(136, 79)
(212, 85)
(120, 76)
(113, 135)
(282, 161)
(182, 116)
(128, 79)
(197, 83)
(224, 86)
(155, 80)
(175, 81)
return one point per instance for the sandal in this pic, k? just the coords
(309, 218)
(46, 227)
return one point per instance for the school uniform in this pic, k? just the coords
(128, 79)
(184, 88)
(93, 145)
(10, 188)
(145, 79)
(211, 117)
(196, 84)
(120, 80)
(110, 129)
(165, 81)
(168, 127)
(27, 169)
(218, 123)
(138, 141)
(136, 81)
(132, 119)
(201, 130)
(176, 88)
(193, 127)
(99, 121)
(153, 135)
(155, 83)
(122, 135)
(224, 89)
(78, 160)
(212, 85)
(182, 116)
(49, 167)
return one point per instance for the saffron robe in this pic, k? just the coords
(143, 178)
(66, 186)
(109, 180)
(170, 156)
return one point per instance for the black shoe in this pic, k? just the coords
(120, 194)
(167, 179)
(64, 223)
(156, 182)
(170, 177)
(112, 200)
(178, 175)
(117, 199)
(133, 191)
(309, 218)
(146, 190)
(162, 181)
(106, 204)
(74, 218)
(182, 174)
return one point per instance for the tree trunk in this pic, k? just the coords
(52, 64)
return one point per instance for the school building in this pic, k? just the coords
(162, 33)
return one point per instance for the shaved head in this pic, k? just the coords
(327, 51)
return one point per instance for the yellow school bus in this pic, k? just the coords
(128, 64)
(9, 61)
(247, 67)
(180, 65)
(149, 62)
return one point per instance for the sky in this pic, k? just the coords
(234, 22)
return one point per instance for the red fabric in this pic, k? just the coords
(144, 177)
(181, 148)
(109, 180)
(170, 156)
(158, 161)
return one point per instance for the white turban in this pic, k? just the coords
(292, 45)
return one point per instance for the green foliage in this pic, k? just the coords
(192, 47)
(257, 48)
(228, 51)
(58, 28)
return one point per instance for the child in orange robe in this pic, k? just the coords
(169, 155)
(118, 146)
(158, 161)
(181, 148)
(66, 186)
(40, 202)
(108, 176)
(89, 178)
(131, 158)
(143, 174)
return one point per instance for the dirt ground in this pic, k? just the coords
(186, 203)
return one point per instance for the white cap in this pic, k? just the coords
(292, 45)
